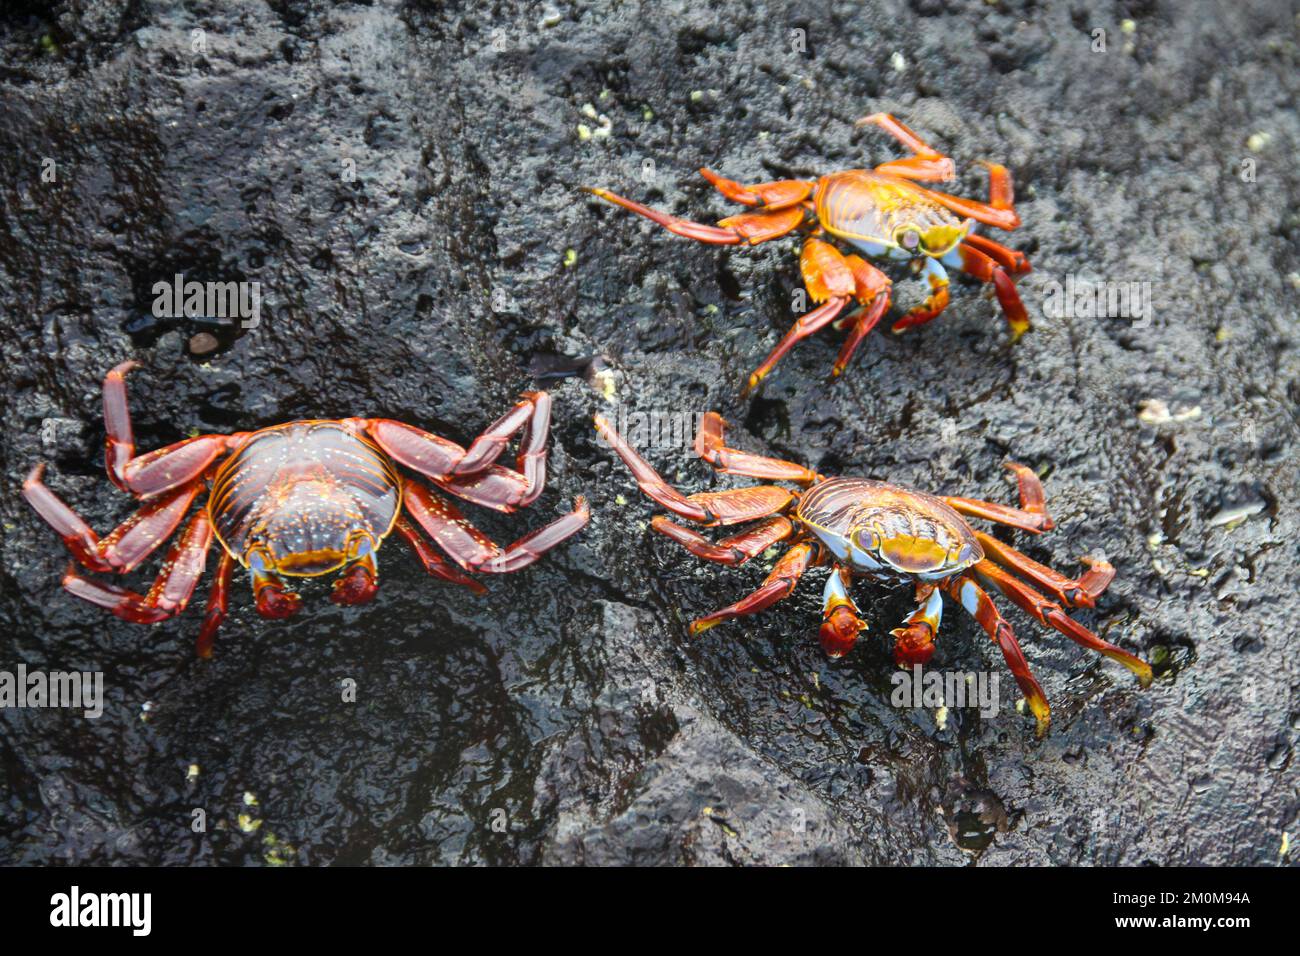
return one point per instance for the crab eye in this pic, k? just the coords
(866, 541)
(910, 239)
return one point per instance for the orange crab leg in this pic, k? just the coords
(734, 550)
(129, 544)
(982, 267)
(980, 606)
(864, 320)
(999, 211)
(1032, 514)
(218, 602)
(682, 227)
(708, 508)
(1013, 259)
(805, 326)
(1081, 592)
(927, 165)
(872, 290)
(776, 586)
(1029, 600)
(829, 278)
(756, 227)
(777, 195)
(730, 461)
(172, 588)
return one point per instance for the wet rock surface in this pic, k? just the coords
(402, 181)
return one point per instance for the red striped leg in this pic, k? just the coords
(434, 564)
(982, 267)
(156, 471)
(172, 588)
(711, 508)
(126, 546)
(682, 227)
(778, 585)
(1027, 599)
(1011, 259)
(999, 211)
(733, 550)
(1032, 514)
(980, 606)
(472, 549)
(1072, 592)
(927, 164)
(218, 601)
(777, 195)
(730, 461)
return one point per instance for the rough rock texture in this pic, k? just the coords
(565, 717)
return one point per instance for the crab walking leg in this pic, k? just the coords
(472, 549)
(482, 481)
(776, 195)
(914, 641)
(1011, 259)
(734, 550)
(126, 546)
(1032, 514)
(730, 461)
(985, 269)
(829, 279)
(805, 326)
(1072, 592)
(710, 508)
(156, 471)
(840, 621)
(534, 411)
(430, 559)
(937, 276)
(980, 606)
(1029, 600)
(218, 602)
(756, 227)
(927, 165)
(776, 586)
(500, 488)
(172, 588)
(999, 211)
(682, 227)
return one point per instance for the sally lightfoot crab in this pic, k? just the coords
(302, 499)
(882, 213)
(870, 529)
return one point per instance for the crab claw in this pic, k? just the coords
(275, 602)
(913, 644)
(839, 632)
(357, 586)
